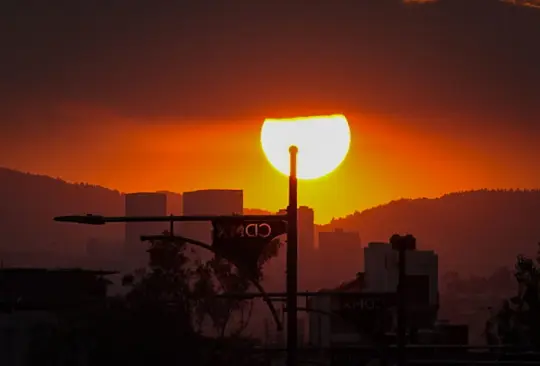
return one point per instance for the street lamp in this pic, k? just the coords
(292, 244)
(292, 261)
(332, 139)
(323, 143)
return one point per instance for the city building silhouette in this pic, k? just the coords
(306, 228)
(174, 206)
(381, 268)
(209, 202)
(379, 278)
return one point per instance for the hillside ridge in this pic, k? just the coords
(472, 231)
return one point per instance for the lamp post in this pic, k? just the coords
(236, 222)
(292, 262)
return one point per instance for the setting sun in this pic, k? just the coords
(322, 141)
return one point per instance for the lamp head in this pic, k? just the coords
(82, 219)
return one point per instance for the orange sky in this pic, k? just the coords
(386, 161)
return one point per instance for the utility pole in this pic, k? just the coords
(292, 262)
(292, 245)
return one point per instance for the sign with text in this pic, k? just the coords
(243, 241)
(367, 311)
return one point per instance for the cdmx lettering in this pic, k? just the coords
(243, 230)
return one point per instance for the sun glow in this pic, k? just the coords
(323, 143)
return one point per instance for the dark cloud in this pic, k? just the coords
(223, 60)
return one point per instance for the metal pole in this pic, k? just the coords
(292, 262)
(402, 303)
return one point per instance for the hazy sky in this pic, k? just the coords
(149, 95)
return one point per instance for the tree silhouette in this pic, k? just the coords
(191, 285)
(172, 312)
(517, 322)
(219, 276)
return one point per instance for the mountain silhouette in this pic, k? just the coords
(29, 203)
(473, 232)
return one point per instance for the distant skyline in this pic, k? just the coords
(149, 96)
(321, 218)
